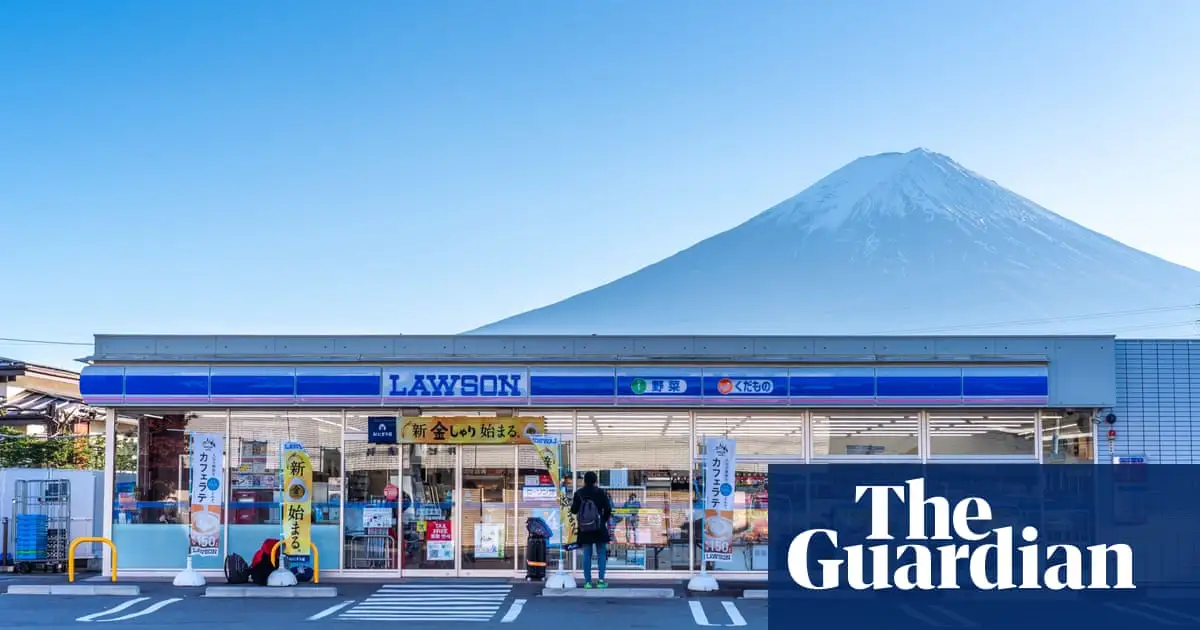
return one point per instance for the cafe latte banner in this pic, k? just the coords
(470, 430)
(206, 493)
(720, 462)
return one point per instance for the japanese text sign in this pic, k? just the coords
(469, 430)
(720, 462)
(297, 501)
(206, 494)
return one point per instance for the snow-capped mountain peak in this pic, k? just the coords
(891, 242)
(919, 182)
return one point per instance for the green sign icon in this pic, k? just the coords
(638, 386)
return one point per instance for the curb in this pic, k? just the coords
(302, 592)
(754, 593)
(611, 593)
(74, 589)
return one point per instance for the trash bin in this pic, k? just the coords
(536, 548)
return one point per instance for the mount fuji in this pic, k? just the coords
(891, 244)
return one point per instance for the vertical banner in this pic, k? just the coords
(549, 449)
(206, 493)
(297, 501)
(720, 462)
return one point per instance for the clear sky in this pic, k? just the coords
(429, 167)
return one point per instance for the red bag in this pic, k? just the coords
(264, 552)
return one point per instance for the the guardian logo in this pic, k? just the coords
(988, 557)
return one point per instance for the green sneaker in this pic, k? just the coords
(587, 585)
(602, 584)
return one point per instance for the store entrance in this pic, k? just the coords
(462, 518)
(489, 494)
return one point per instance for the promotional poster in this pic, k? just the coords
(206, 492)
(297, 501)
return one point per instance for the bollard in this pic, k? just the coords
(316, 559)
(86, 539)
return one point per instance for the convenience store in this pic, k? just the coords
(636, 410)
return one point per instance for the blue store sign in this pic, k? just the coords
(381, 430)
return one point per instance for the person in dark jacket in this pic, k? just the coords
(593, 510)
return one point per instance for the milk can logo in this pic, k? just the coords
(949, 545)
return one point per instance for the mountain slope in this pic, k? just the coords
(896, 243)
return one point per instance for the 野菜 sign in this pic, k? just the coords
(204, 535)
(470, 430)
(720, 462)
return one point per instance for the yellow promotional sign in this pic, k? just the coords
(549, 449)
(470, 430)
(297, 500)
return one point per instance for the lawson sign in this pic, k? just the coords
(560, 385)
(470, 385)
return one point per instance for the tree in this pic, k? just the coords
(18, 450)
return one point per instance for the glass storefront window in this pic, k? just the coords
(1067, 439)
(151, 505)
(255, 452)
(463, 507)
(372, 501)
(643, 460)
(861, 433)
(760, 437)
(431, 539)
(966, 432)
(536, 487)
(758, 434)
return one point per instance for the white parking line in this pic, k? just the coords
(115, 609)
(701, 619)
(149, 609)
(513, 611)
(332, 609)
(735, 615)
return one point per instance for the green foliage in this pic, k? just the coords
(18, 450)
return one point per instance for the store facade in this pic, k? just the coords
(420, 450)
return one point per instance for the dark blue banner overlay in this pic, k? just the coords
(984, 546)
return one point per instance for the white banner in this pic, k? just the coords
(207, 494)
(720, 464)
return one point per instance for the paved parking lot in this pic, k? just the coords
(452, 605)
(444, 605)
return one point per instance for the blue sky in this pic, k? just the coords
(404, 167)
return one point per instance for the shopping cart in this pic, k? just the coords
(42, 510)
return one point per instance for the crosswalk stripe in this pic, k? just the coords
(431, 602)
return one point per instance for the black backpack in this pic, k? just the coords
(589, 516)
(236, 569)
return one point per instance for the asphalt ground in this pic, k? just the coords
(455, 604)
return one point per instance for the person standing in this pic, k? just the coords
(592, 509)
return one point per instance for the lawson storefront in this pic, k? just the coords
(420, 461)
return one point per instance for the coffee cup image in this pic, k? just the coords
(205, 522)
(718, 526)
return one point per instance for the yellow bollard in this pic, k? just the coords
(316, 559)
(89, 539)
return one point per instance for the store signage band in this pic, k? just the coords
(536, 385)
